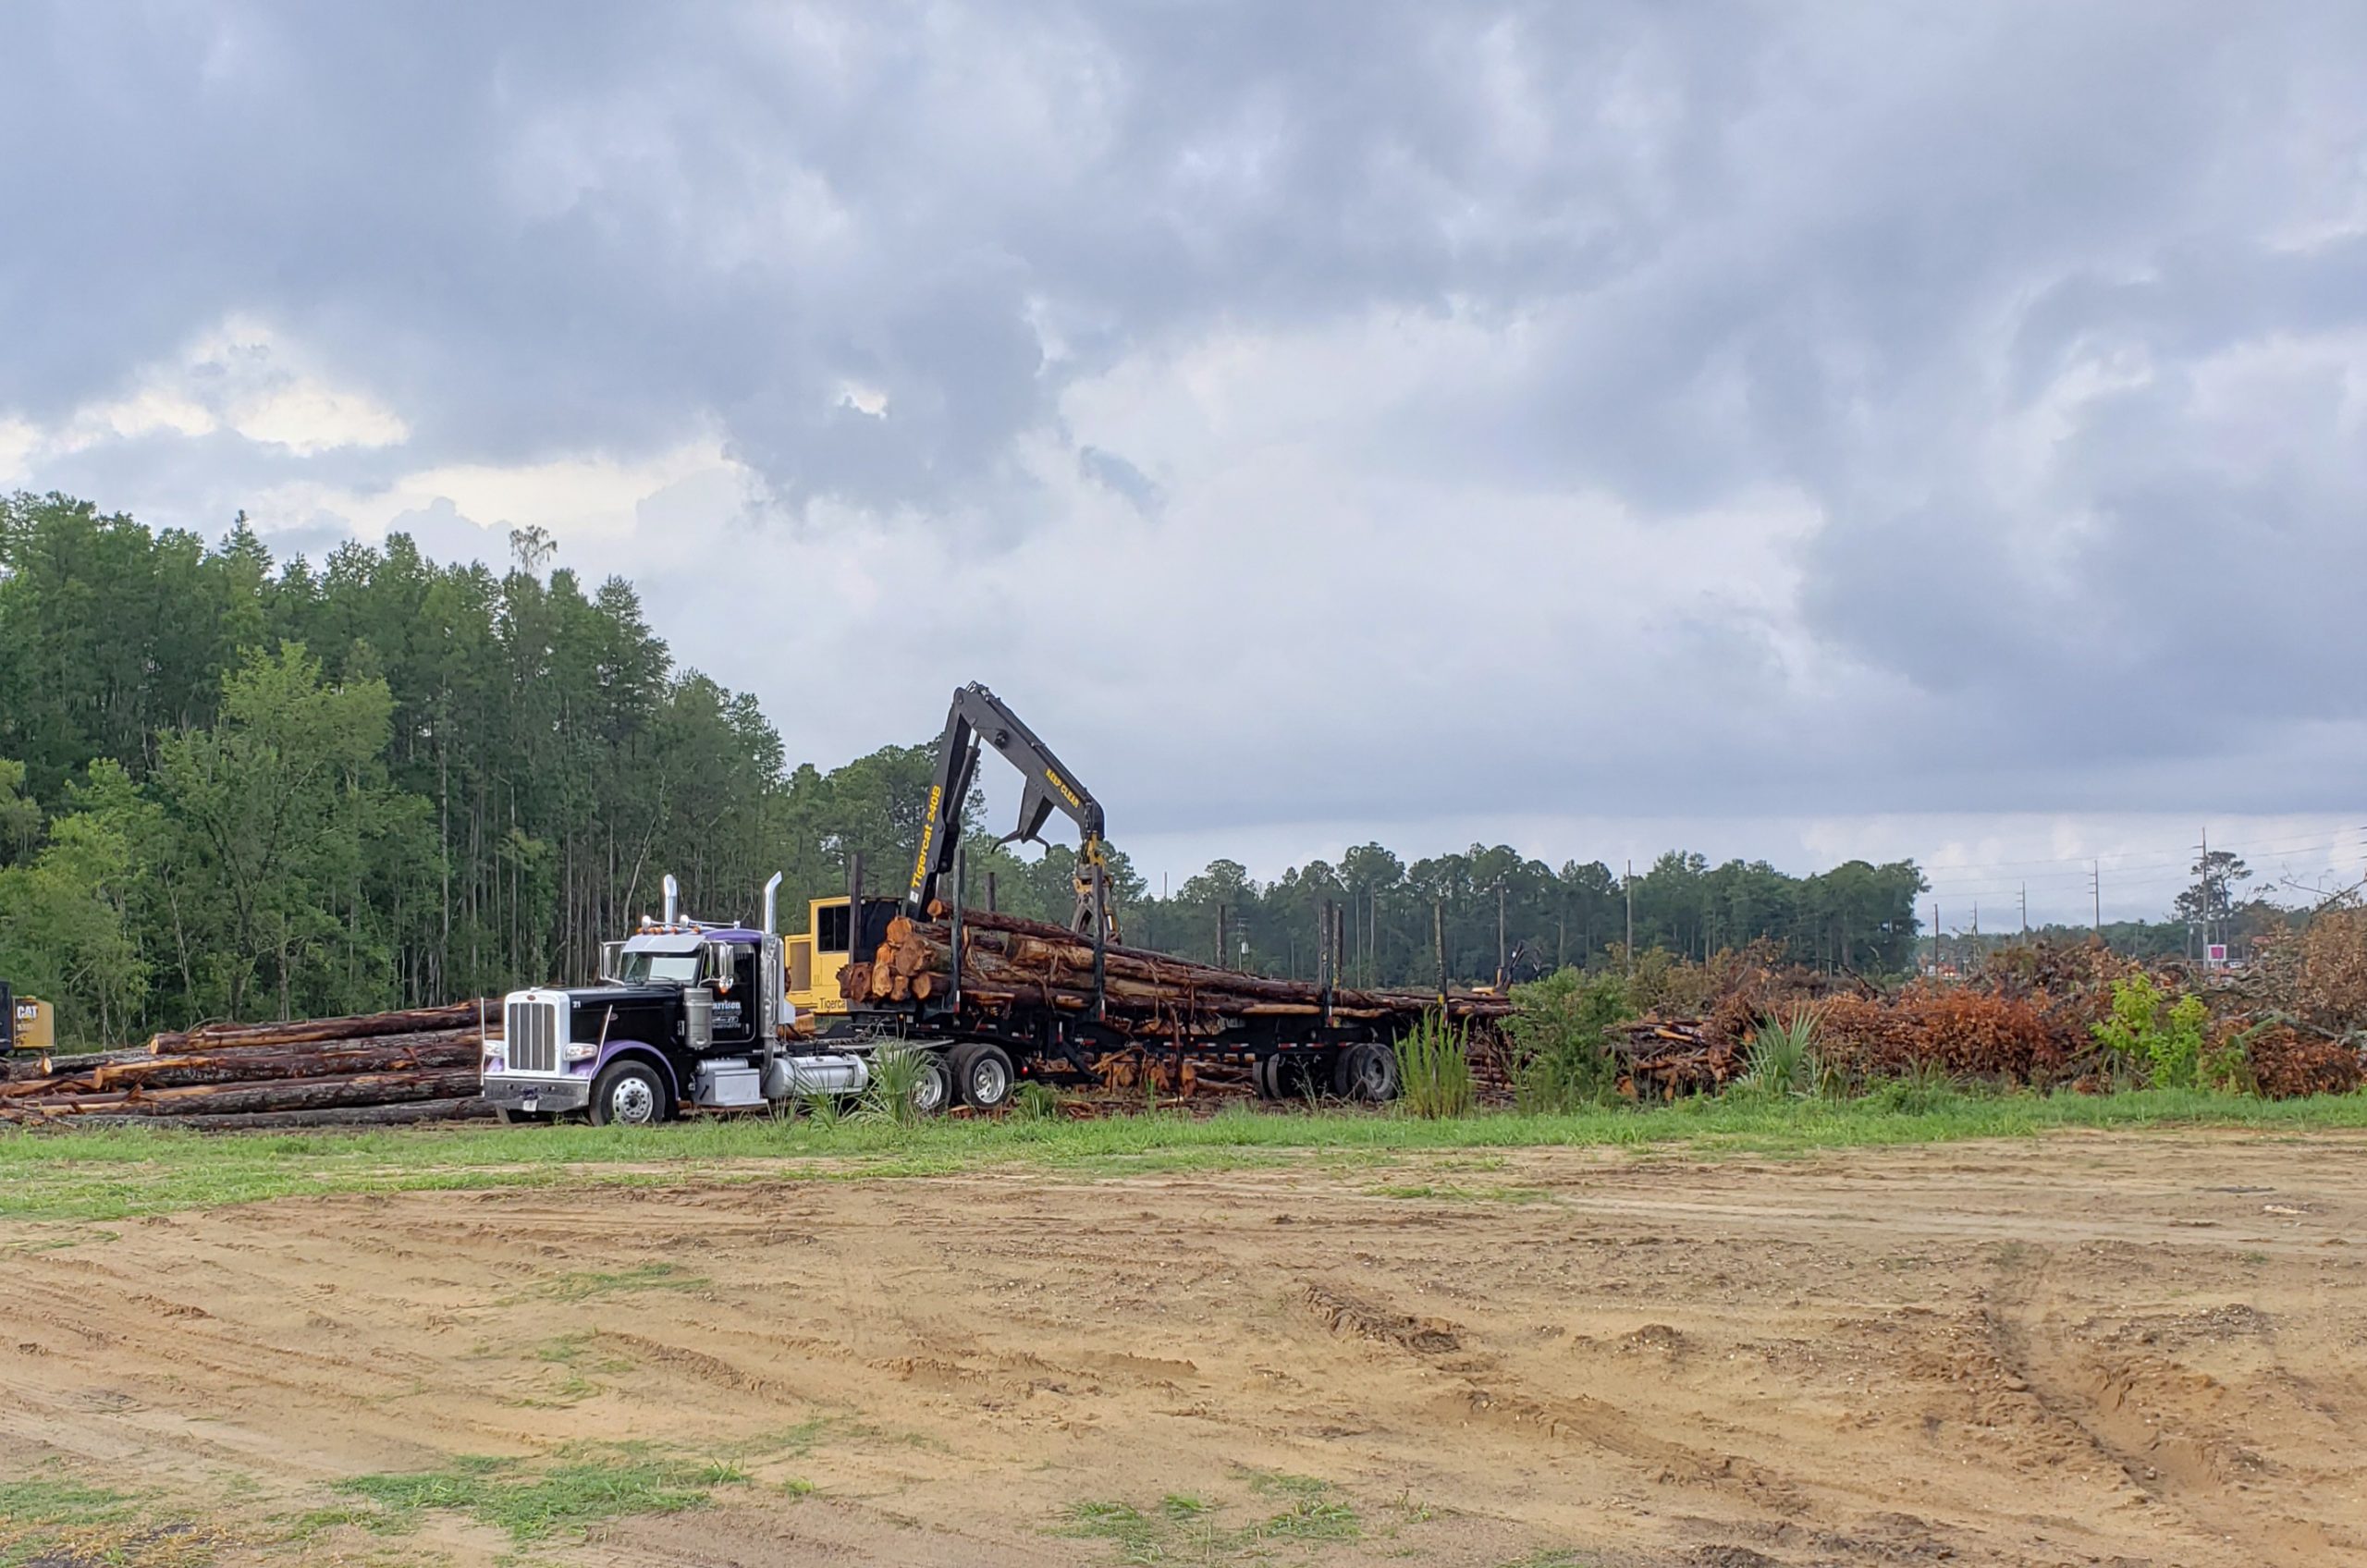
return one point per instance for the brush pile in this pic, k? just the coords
(1154, 997)
(2293, 1025)
(373, 1070)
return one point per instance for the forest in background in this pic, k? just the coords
(231, 787)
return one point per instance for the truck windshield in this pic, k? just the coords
(659, 968)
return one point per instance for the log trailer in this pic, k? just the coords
(689, 1014)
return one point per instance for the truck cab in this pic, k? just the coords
(688, 1014)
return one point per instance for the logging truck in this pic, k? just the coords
(690, 1015)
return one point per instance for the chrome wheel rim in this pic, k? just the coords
(989, 1082)
(929, 1092)
(633, 1102)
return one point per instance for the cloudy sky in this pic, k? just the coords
(1788, 430)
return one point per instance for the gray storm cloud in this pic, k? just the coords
(1964, 408)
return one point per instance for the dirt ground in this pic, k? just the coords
(2092, 1349)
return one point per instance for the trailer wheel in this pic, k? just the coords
(935, 1090)
(982, 1077)
(1261, 1077)
(627, 1094)
(1366, 1072)
(1296, 1075)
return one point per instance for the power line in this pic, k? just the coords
(2110, 856)
(2155, 870)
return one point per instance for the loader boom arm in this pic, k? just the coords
(979, 717)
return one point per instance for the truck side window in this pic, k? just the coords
(831, 929)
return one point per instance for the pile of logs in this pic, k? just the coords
(1661, 1059)
(373, 1069)
(1008, 962)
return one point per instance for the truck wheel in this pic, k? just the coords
(1261, 1077)
(935, 1090)
(1366, 1072)
(627, 1094)
(982, 1073)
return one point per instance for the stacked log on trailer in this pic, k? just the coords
(1010, 962)
(385, 1069)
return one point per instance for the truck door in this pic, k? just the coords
(739, 1005)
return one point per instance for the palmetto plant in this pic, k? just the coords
(894, 1093)
(1782, 1057)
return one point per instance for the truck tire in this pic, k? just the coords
(1366, 1072)
(1261, 1077)
(628, 1093)
(935, 1090)
(983, 1077)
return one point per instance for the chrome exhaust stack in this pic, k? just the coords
(673, 899)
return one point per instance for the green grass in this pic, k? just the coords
(1185, 1529)
(50, 1504)
(53, 1523)
(589, 1285)
(118, 1174)
(529, 1502)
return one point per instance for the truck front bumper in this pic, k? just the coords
(533, 1097)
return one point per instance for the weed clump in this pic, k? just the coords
(1434, 1079)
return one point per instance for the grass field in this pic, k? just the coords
(120, 1173)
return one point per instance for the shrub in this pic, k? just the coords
(1434, 1071)
(1562, 1056)
(895, 1084)
(1783, 1059)
(2167, 1052)
(1923, 1088)
(1034, 1102)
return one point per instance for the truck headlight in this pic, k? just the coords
(582, 1053)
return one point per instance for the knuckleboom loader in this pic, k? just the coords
(691, 1014)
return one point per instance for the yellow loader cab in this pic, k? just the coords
(31, 1026)
(814, 958)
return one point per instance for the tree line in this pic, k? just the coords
(231, 787)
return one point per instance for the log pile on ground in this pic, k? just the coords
(1155, 998)
(382, 1069)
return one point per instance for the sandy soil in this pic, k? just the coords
(2093, 1349)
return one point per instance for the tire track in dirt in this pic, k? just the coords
(2167, 1455)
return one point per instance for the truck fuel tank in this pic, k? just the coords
(791, 1075)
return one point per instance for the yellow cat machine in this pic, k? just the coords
(25, 1025)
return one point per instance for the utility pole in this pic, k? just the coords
(1628, 883)
(2206, 893)
(1935, 937)
(1501, 960)
(1438, 934)
(2096, 891)
(2026, 908)
(1220, 962)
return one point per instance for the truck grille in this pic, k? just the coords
(531, 1030)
